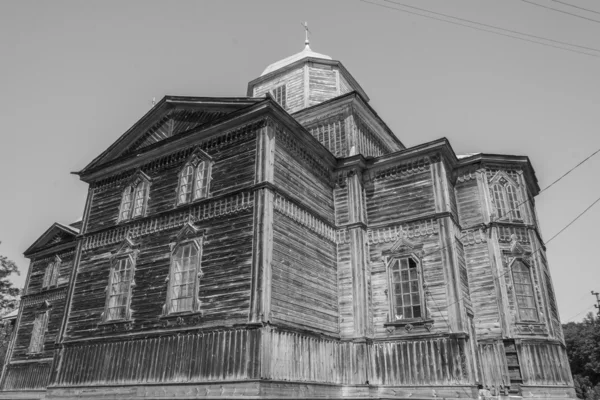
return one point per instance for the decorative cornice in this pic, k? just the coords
(303, 217)
(473, 236)
(47, 295)
(420, 164)
(415, 229)
(201, 212)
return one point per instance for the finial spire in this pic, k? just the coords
(306, 31)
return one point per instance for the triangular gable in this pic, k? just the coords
(56, 234)
(171, 116)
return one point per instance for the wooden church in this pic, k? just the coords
(288, 245)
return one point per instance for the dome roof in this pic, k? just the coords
(307, 52)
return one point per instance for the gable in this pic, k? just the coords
(56, 235)
(172, 116)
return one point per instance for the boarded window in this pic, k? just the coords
(51, 274)
(185, 266)
(406, 289)
(524, 292)
(119, 290)
(36, 345)
(279, 93)
(193, 181)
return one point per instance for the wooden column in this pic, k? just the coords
(262, 242)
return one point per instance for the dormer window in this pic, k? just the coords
(505, 198)
(194, 179)
(280, 95)
(135, 198)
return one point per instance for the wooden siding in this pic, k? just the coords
(468, 201)
(224, 288)
(430, 361)
(340, 194)
(304, 282)
(299, 181)
(332, 134)
(344, 85)
(363, 138)
(27, 376)
(232, 169)
(38, 269)
(322, 83)
(294, 81)
(403, 193)
(493, 367)
(544, 364)
(463, 276)
(188, 357)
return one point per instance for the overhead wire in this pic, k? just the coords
(491, 31)
(574, 6)
(560, 11)
(579, 313)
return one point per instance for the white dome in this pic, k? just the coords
(307, 52)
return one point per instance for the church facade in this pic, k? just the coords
(288, 245)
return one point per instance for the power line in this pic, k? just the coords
(574, 6)
(579, 313)
(492, 26)
(560, 11)
(486, 30)
(573, 221)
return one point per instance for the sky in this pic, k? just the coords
(75, 75)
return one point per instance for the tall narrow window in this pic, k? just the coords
(194, 181)
(279, 93)
(184, 278)
(406, 289)
(505, 198)
(119, 290)
(134, 198)
(36, 344)
(524, 292)
(51, 274)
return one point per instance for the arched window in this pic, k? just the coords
(524, 293)
(135, 198)
(505, 198)
(51, 274)
(406, 289)
(118, 295)
(184, 276)
(194, 180)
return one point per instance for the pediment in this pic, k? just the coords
(172, 116)
(403, 246)
(55, 235)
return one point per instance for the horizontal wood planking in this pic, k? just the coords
(400, 197)
(468, 201)
(27, 376)
(544, 364)
(433, 361)
(224, 289)
(340, 194)
(322, 84)
(436, 299)
(191, 357)
(294, 81)
(38, 270)
(298, 180)
(232, 169)
(482, 287)
(304, 282)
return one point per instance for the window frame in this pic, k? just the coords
(198, 161)
(142, 180)
(51, 273)
(129, 252)
(196, 273)
(391, 290)
(41, 337)
(530, 271)
(499, 193)
(281, 88)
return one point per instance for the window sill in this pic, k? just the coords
(184, 318)
(412, 321)
(116, 325)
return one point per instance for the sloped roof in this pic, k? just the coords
(307, 52)
(57, 233)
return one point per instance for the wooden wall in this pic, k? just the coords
(27, 376)
(322, 83)
(544, 363)
(295, 81)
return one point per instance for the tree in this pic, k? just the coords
(9, 295)
(583, 349)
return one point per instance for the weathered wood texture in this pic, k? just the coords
(493, 365)
(362, 139)
(304, 281)
(544, 364)
(27, 376)
(294, 81)
(233, 169)
(188, 357)
(332, 134)
(431, 361)
(468, 199)
(295, 177)
(401, 192)
(322, 83)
